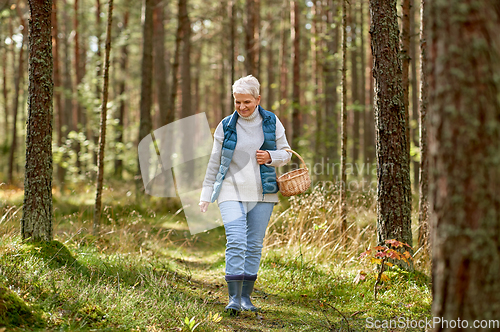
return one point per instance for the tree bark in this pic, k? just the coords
(405, 57)
(343, 126)
(414, 94)
(423, 202)
(270, 64)
(295, 37)
(15, 103)
(36, 222)
(252, 37)
(354, 83)
(76, 109)
(330, 10)
(464, 131)
(60, 118)
(161, 72)
(175, 65)
(123, 62)
(393, 176)
(5, 88)
(365, 111)
(282, 110)
(102, 133)
(146, 125)
(232, 23)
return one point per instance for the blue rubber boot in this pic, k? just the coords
(234, 288)
(246, 290)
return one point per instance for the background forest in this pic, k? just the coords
(82, 246)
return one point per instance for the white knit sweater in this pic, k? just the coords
(242, 181)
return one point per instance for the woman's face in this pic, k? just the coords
(245, 104)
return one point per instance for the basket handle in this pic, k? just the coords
(295, 153)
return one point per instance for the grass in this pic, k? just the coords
(147, 273)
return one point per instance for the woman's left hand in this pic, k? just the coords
(263, 157)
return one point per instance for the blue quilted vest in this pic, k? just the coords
(267, 173)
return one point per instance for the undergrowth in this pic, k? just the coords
(145, 272)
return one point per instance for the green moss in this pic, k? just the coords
(54, 253)
(14, 312)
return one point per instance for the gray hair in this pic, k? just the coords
(247, 85)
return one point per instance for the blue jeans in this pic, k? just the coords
(245, 224)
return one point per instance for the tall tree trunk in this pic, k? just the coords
(175, 65)
(36, 222)
(405, 57)
(98, 90)
(330, 10)
(5, 87)
(343, 126)
(121, 93)
(316, 49)
(146, 125)
(60, 118)
(160, 72)
(232, 23)
(102, 133)
(423, 202)
(354, 80)
(15, 104)
(295, 36)
(464, 131)
(252, 37)
(223, 70)
(186, 110)
(370, 133)
(393, 176)
(282, 110)
(78, 78)
(270, 64)
(67, 81)
(362, 89)
(414, 93)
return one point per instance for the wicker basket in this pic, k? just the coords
(294, 182)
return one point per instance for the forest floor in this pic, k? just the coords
(147, 273)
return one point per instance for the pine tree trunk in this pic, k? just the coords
(405, 57)
(331, 82)
(60, 118)
(160, 72)
(36, 222)
(343, 126)
(232, 23)
(146, 125)
(270, 65)
(423, 202)
(252, 37)
(5, 90)
(316, 49)
(365, 111)
(414, 94)
(102, 133)
(370, 113)
(354, 81)
(283, 99)
(175, 65)
(295, 36)
(77, 117)
(393, 176)
(15, 103)
(464, 132)
(67, 81)
(121, 92)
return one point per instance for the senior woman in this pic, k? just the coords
(240, 175)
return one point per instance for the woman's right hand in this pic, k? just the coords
(203, 206)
